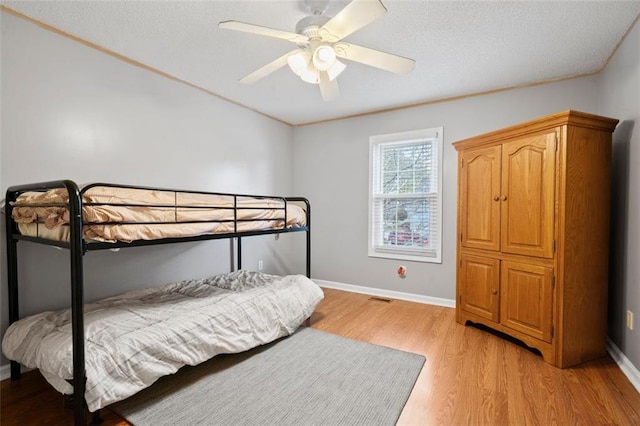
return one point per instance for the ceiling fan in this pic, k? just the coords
(319, 39)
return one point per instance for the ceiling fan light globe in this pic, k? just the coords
(310, 76)
(298, 63)
(324, 57)
(335, 70)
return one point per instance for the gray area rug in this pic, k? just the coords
(308, 378)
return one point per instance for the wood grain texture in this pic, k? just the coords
(545, 349)
(480, 195)
(481, 286)
(471, 376)
(526, 299)
(542, 124)
(554, 218)
(585, 243)
(527, 202)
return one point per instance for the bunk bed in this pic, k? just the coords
(107, 216)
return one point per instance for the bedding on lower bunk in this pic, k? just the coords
(133, 339)
(112, 213)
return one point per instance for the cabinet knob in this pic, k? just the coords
(496, 198)
(504, 198)
(494, 291)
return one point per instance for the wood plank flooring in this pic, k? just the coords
(471, 375)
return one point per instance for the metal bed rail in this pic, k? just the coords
(78, 247)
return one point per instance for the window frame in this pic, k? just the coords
(435, 136)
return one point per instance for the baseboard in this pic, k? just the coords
(628, 369)
(5, 371)
(448, 303)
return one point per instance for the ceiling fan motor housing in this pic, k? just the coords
(309, 25)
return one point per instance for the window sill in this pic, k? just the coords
(405, 256)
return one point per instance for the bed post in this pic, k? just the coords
(12, 271)
(77, 302)
(308, 205)
(307, 208)
(239, 248)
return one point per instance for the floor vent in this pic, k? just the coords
(379, 299)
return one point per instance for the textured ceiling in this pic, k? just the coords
(460, 48)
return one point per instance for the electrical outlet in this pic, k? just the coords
(402, 271)
(630, 320)
(260, 265)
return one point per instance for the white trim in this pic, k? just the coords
(5, 371)
(428, 300)
(628, 369)
(414, 137)
(387, 254)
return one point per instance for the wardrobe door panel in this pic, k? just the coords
(527, 200)
(526, 299)
(480, 286)
(480, 198)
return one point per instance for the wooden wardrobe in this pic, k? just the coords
(533, 233)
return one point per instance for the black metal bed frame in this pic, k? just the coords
(78, 247)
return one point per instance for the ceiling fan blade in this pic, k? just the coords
(265, 31)
(268, 69)
(354, 16)
(328, 88)
(375, 58)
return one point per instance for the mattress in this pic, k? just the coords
(133, 339)
(112, 214)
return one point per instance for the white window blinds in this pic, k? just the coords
(405, 212)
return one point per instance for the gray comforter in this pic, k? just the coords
(135, 338)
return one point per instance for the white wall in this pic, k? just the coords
(619, 96)
(101, 119)
(331, 168)
(69, 111)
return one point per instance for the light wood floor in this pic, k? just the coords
(471, 376)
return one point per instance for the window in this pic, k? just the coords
(405, 195)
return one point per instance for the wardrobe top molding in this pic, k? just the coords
(568, 117)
